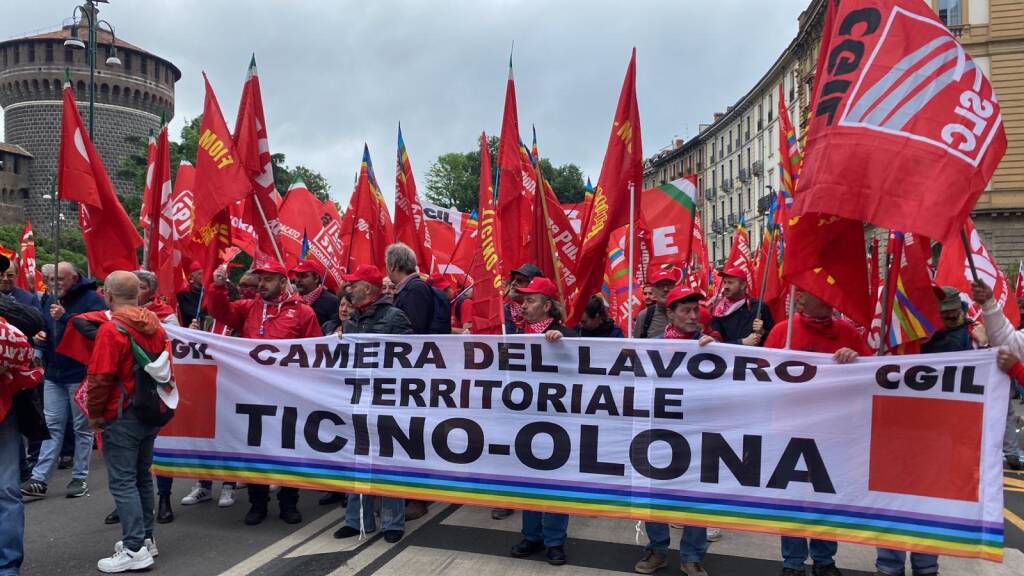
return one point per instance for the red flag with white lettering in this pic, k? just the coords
(905, 130)
(955, 271)
(303, 215)
(515, 199)
(486, 269)
(110, 238)
(410, 224)
(28, 277)
(366, 228)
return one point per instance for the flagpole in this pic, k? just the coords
(629, 289)
(884, 331)
(266, 225)
(789, 310)
(764, 275)
(56, 234)
(970, 255)
(456, 251)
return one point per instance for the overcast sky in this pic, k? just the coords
(337, 74)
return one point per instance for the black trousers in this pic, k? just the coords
(260, 494)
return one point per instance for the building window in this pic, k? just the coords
(127, 61)
(143, 65)
(31, 52)
(771, 106)
(17, 55)
(49, 52)
(17, 165)
(951, 12)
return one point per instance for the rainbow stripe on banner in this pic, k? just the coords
(928, 533)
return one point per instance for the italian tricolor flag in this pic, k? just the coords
(672, 204)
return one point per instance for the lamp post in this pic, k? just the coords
(89, 12)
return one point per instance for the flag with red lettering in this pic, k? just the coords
(954, 270)
(486, 269)
(249, 231)
(905, 131)
(515, 199)
(366, 228)
(622, 175)
(410, 224)
(110, 238)
(305, 218)
(29, 278)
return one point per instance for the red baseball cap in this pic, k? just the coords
(734, 271)
(540, 285)
(662, 274)
(270, 267)
(681, 293)
(195, 266)
(440, 281)
(308, 266)
(366, 273)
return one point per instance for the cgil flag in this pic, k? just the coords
(110, 237)
(954, 270)
(905, 130)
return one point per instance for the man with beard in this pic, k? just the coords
(309, 281)
(734, 315)
(277, 314)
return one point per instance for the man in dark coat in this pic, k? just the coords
(518, 278)
(734, 315)
(8, 286)
(412, 295)
(309, 281)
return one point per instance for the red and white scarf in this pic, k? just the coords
(537, 327)
(673, 333)
(515, 309)
(313, 295)
(724, 307)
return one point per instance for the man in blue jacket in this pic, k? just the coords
(8, 285)
(76, 294)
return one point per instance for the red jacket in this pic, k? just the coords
(813, 336)
(255, 318)
(16, 358)
(112, 363)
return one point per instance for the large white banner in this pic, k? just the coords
(902, 452)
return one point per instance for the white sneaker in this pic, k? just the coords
(197, 495)
(227, 497)
(125, 560)
(149, 543)
(714, 534)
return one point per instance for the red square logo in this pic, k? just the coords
(926, 447)
(196, 414)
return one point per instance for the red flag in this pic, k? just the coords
(28, 276)
(110, 238)
(453, 238)
(617, 277)
(905, 131)
(147, 189)
(790, 161)
(622, 175)
(366, 228)
(699, 262)
(303, 215)
(250, 232)
(1018, 286)
(486, 269)
(221, 179)
(910, 306)
(410, 225)
(955, 271)
(182, 208)
(825, 256)
(515, 199)
(163, 247)
(739, 255)
(554, 244)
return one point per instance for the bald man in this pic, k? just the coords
(127, 439)
(75, 294)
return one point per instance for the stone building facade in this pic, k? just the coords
(735, 157)
(15, 163)
(130, 100)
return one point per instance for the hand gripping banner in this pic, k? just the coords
(899, 452)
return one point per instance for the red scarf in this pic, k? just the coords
(313, 295)
(516, 311)
(537, 327)
(673, 333)
(724, 306)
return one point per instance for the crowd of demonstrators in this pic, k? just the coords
(76, 294)
(373, 313)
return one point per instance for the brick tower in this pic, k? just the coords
(130, 99)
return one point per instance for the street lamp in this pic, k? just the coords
(89, 12)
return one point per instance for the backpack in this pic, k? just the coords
(441, 323)
(151, 372)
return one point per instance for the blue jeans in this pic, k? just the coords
(128, 452)
(56, 403)
(795, 552)
(392, 512)
(12, 511)
(546, 527)
(893, 562)
(692, 548)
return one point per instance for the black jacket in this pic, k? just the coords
(738, 325)
(556, 325)
(955, 340)
(417, 301)
(82, 297)
(607, 329)
(381, 317)
(326, 307)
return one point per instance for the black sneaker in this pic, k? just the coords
(33, 488)
(257, 514)
(556, 555)
(392, 536)
(164, 514)
(501, 513)
(792, 572)
(291, 515)
(346, 532)
(77, 488)
(829, 570)
(526, 548)
(112, 518)
(329, 498)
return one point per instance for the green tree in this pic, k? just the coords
(72, 247)
(453, 179)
